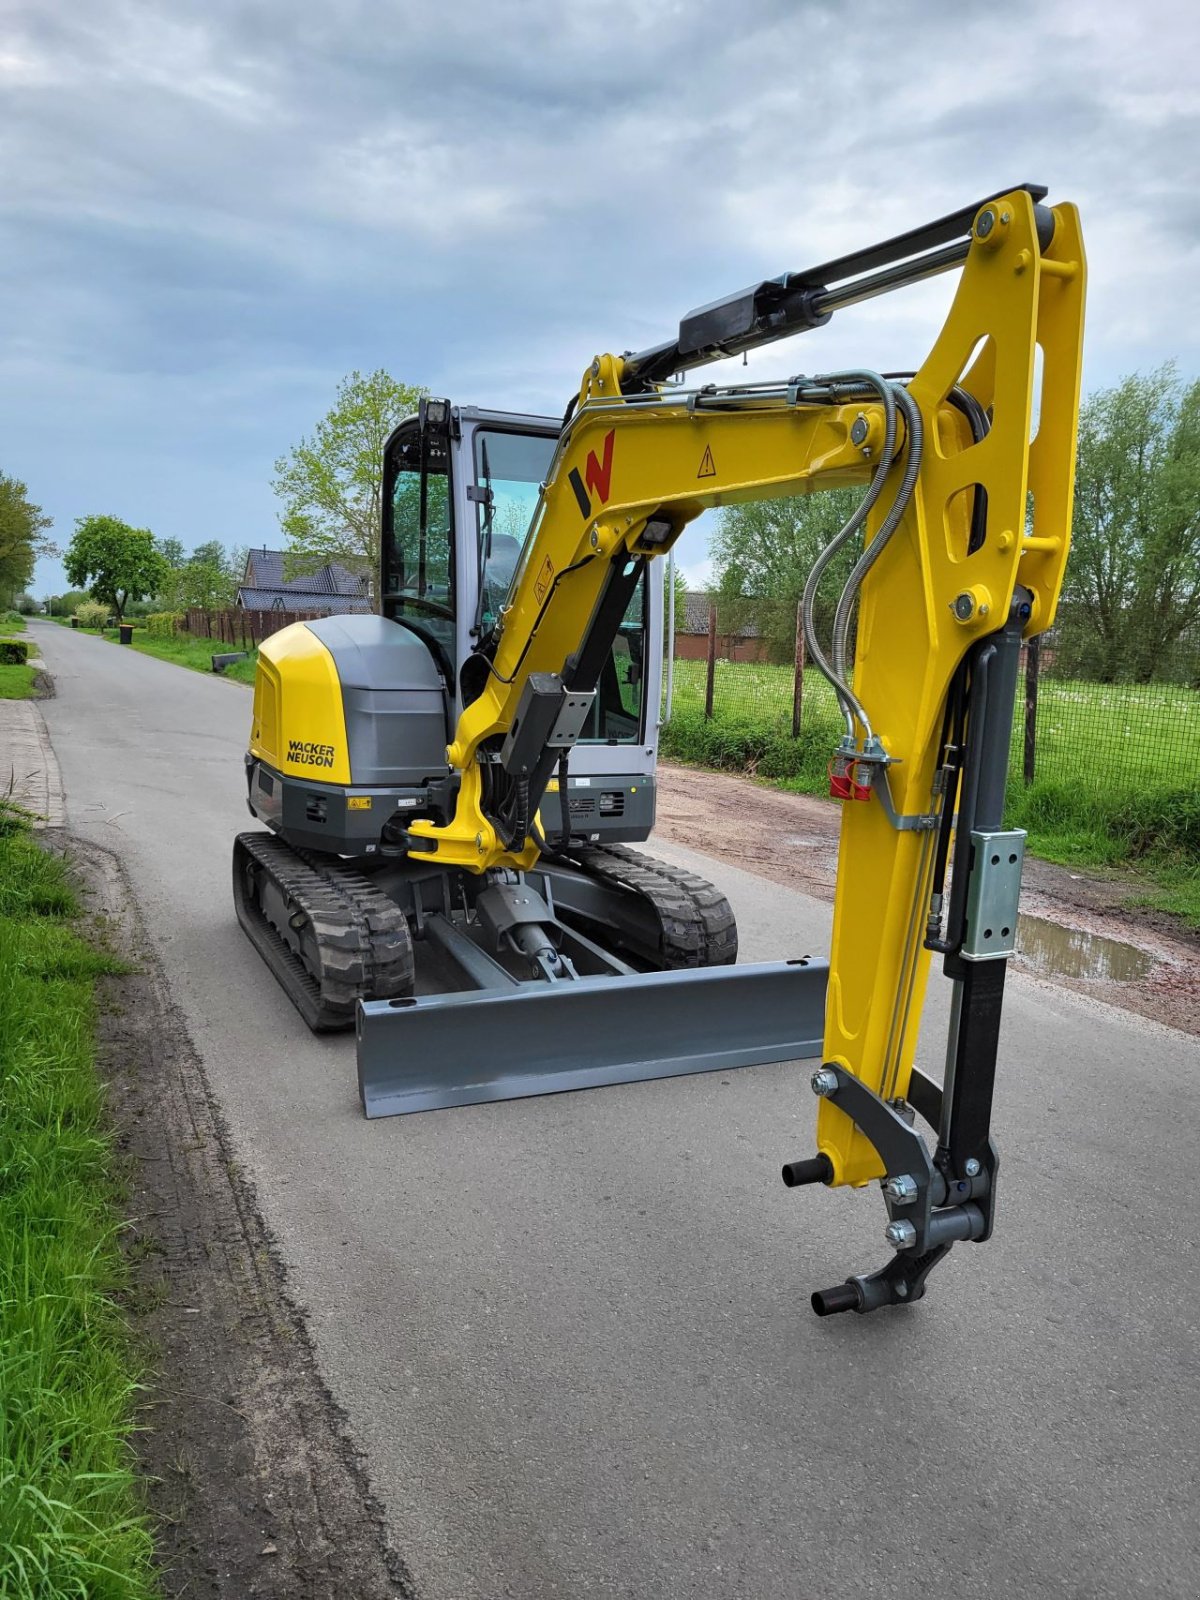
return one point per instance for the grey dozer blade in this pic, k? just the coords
(515, 1039)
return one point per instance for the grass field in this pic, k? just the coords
(70, 1523)
(11, 622)
(1123, 734)
(1117, 780)
(186, 651)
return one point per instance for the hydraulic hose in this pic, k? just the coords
(912, 466)
(851, 709)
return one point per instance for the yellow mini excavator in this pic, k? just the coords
(469, 768)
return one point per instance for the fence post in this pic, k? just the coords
(1033, 652)
(798, 684)
(712, 662)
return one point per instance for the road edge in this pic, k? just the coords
(251, 1477)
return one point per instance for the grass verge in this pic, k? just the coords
(186, 651)
(12, 622)
(70, 1518)
(16, 683)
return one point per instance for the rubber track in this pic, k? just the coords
(362, 935)
(699, 928)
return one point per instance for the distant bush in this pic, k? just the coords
(26, 605)
(13, 652)
(91, 614)
(66, 605)
(163, 624)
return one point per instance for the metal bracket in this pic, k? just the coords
(917, 822)
(900, 1147)
(993, 895)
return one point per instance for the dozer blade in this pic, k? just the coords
(542, 1038)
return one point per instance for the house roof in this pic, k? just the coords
(265, 571)
(695, 616)
(293, 599)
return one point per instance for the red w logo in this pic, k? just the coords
(597, 476)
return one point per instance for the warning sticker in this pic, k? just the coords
(358, 802)
(541, 584)
(707, 466)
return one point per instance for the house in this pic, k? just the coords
(333, 588)
(691, 634)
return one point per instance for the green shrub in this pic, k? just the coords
(163, 624)
(14, 652)
(92, 614)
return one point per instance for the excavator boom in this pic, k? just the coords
(966, 468)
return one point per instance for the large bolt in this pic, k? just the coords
(859, 429)
(824, 1082)
(900, 1235)
(902, 1191)
(972, 1168)
(985, 223)
(963, 606)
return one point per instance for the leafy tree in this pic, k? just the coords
(66, 605)
(763, 552)
(22, 529)
(175, 559)
(1133, 581)
(117, 562)
(330, 484)
(26, 605)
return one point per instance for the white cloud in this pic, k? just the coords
(214, 211)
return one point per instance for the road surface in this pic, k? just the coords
(572, 1334)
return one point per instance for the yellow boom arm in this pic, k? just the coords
(978, 555)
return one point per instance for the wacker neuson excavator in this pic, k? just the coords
(468, 768)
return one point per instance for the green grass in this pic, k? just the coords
(186, 651)
(16, 683)
(11, 622)
(70, 1517)
(1116, 776)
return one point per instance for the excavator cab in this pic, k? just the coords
(460, 490)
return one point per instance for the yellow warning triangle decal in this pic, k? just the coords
(707, 468)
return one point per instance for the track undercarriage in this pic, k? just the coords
(551, 940)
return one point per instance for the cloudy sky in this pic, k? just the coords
(211, 212)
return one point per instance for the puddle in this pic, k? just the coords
(1056, 952)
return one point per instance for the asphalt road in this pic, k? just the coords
(572, 1334)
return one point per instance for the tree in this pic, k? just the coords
(763, 552)
(206, 581)
(174, 557)
(331, 484)
(1133, 581)
(117, 563)
(22, 527)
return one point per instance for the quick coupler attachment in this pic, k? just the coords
(929, 1208)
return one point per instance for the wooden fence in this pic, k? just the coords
(242, 630)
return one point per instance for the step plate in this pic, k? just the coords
(443, 1050)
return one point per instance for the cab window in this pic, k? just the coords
(418, 535)
(509, 471)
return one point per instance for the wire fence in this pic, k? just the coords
(1118, 734)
